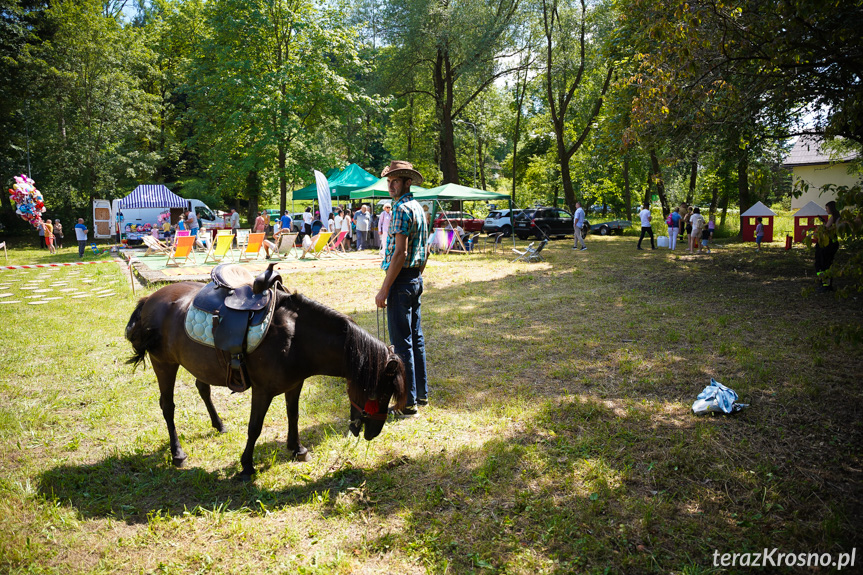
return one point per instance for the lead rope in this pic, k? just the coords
(382, 311)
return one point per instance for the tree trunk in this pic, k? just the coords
(648, 190)
(627, 193)
(410, 128)
(480, 163)
(725, 194)
(693, 175)
(660, 185)
(283, 179)
(443, 104)
(253, 191)
(519, 100)
(714, 199)
(745, 201)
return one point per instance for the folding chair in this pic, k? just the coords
(154, 246)
(220, 248)
(204, 240)
(495, 240)
(285, 244)
(530, 254)
(456, 244)
(253, 246)
(337, 243)
(242, 237)
(319, 243)
(182, 250)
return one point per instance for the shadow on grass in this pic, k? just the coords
(584, 481)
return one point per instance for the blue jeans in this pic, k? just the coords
(406, 333)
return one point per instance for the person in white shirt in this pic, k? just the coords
(346, 227)
(697, 221)
(307, 221)
(646, 228)
(577, 224)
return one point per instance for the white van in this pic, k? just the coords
(106, 214)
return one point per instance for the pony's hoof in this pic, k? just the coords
(179, 461)
(222, 429)
(302, 454)
(243, 477)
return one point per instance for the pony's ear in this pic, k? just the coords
(394, 363)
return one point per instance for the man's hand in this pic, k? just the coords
(381, 298)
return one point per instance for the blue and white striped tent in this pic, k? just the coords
(151, 196)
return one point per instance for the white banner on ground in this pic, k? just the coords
(324, 199)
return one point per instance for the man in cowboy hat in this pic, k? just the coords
(404, 261)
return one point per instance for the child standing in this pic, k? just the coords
(759, 234)
(707, 235)
(49, 236)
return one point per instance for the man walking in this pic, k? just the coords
(577, 224)
(646, 228)
(81, 236)
(404, 261)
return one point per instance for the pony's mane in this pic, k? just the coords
(365, 355)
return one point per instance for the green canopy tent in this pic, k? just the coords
(379, 189)
(455, 192)
(341, 185)
(310, 192)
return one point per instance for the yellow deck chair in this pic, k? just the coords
(253, 247)
(220, 248)
(319, 244)
(182, 251)
(285, 244)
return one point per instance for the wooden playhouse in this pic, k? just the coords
(808, 217)
(748, 222)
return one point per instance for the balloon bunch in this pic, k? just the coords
(164, 217)
(28, 200)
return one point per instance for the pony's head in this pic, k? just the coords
(379, 378)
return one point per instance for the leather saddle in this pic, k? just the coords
(237, 301)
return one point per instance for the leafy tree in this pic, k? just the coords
(449, 52)
(576, 77)
(268, 75)
(93, 113)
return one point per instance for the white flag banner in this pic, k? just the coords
(324, 200)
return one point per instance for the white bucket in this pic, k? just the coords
(662, 242)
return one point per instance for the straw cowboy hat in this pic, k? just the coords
(402, 169)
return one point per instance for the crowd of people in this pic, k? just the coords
(683, 222)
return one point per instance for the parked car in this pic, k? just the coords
(466, 220)
(545, 222)
(614, 227)
(499, 221)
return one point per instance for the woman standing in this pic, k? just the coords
(346, 227)
(826, 248)
(58, 234)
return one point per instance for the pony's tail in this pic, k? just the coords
(140, 336)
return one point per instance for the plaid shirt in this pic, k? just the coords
(409, 220)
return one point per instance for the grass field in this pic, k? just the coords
(559, 439)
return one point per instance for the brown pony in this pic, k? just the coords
(305, 338)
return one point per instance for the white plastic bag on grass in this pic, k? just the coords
(716, 398)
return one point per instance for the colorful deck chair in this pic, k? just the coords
(182, 251)
(220, 248)
(285, 244)
(336, 245)
(318, 245)
(253, 247)
(154, 246)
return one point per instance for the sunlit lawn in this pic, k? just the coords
(559, 438)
